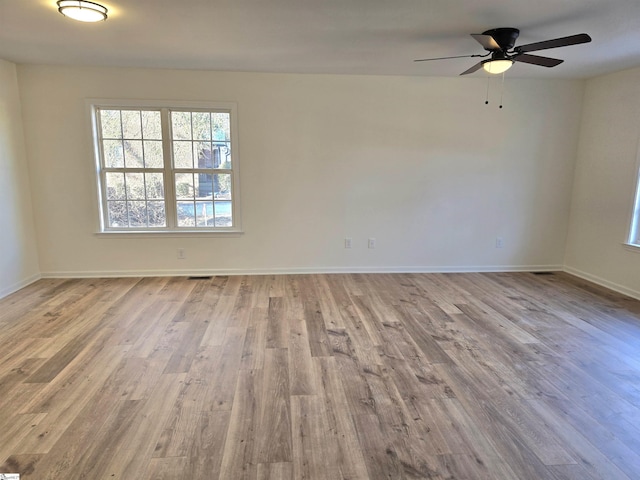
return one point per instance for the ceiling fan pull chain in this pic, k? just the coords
(486, 100)
(502, 90)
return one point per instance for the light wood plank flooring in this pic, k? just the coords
(441, 376)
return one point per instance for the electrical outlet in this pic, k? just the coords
(499, 242)
(372, 243)
(347, 242)
(181, 254)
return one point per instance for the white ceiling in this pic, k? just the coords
(320, 36)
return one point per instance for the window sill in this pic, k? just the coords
(168, 233)
(631, 247)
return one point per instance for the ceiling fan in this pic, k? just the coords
(502, 52)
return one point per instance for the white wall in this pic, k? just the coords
(18, 255)
(421, 164)
(604, 182)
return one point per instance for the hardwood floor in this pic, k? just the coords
(385, 376)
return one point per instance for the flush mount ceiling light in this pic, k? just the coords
(82, 10)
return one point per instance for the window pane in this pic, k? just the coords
(222, 155)
(226, 155)
(222, 186)
(153, 157)
(157, 214)
(204, 185)
(204, 214)
(224, 217)
(155, 186)
(113, 153)
(137, 214)
(181, 125)
(135, 186)
(186, 214)
(221, 126)
(201, 125)
(117, 213)
(115, 186)
(131, 125)
(202, 154)
(110, 122)
(182, 157)
(151, 125)
(133, 156)
(184, 186)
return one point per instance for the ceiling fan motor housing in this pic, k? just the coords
(505, 37)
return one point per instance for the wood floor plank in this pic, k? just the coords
(349, 457)
(593, 461)
(220, 316)
(302, 379)
(273, 437)
(224, 372)
(204, 454)
(496, 376)
(277, 324)
(477, 444)
(382, 461)
(239, 450)
(21, 464)
(16, 373)
(316, 331)
(310, 446)
(191, 402)
(183, 356)
(318, 289)
(255, 340)
(430, 348)
(275, 471)
(133, 454)
(14, 433)
(165, 468)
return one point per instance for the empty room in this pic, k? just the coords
(319, 240)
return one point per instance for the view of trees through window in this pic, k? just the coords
(155, 179)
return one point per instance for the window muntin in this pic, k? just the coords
(166, 169)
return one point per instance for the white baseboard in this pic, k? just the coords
(5, 292)
(604, 283)
(299, 270)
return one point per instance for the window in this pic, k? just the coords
(634, 233)
(166, 169)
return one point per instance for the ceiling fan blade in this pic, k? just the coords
(537, 60)
(447, 58)
(476, 67)
(555, 43)
(487, 41)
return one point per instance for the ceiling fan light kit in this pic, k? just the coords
(497, 66)
(82, 10)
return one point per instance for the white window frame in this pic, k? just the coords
(633, 239)
(93, 105)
